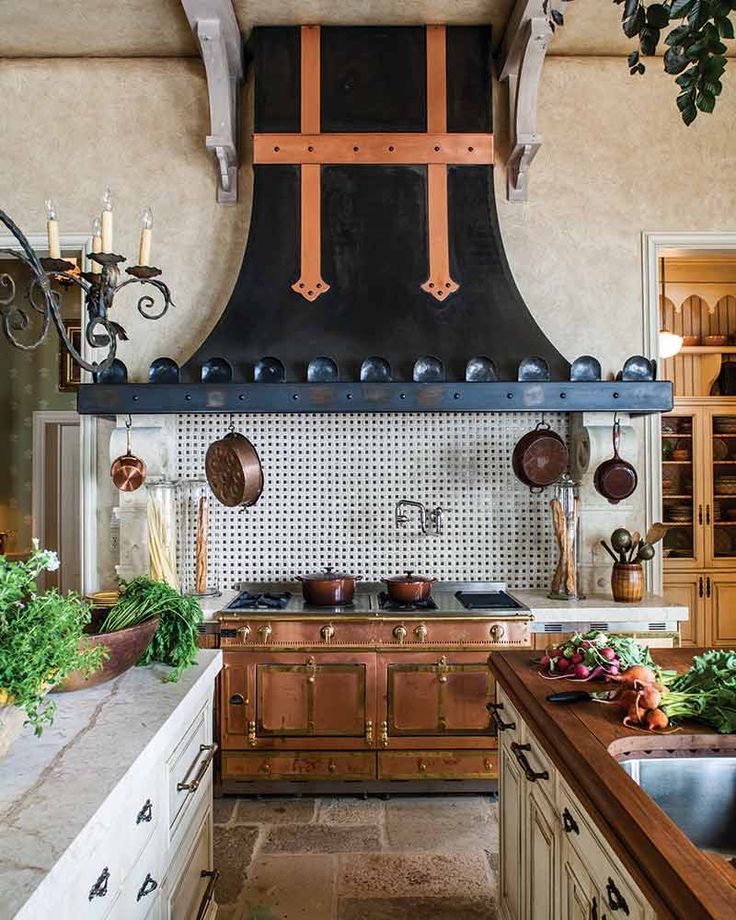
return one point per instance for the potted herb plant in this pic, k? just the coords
(41, 641)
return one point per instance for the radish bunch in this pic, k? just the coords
(592, 656)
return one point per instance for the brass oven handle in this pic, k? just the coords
(498, 722)
(193, 785)
(384, 734)
(529, 772)
(369, 732)
(252, 734)
(209, 892)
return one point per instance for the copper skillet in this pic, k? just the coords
(234, 470)
(128, 472)
(616, 478)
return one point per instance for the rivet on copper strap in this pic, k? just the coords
(439, 284)
(310, 283)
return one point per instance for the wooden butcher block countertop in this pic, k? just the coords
(583, 740)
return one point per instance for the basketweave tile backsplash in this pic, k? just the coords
(332, 483)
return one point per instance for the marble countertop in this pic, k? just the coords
(50, 787)
(600, 608)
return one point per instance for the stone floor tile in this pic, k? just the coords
(416, 909)
(394, 875)
(346, 811)
(315, 838)
(233, 851)
(223, 809)
(290, 888)
(276, 810)
(443, 824)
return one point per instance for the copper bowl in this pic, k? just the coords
(715, 341)
(689, 340)
(125, 647)
(409, 588)
(328, 588)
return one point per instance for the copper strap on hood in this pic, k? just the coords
(311, 283)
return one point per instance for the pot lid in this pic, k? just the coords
(409, 578)
(328, 575)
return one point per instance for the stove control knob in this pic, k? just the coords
(327, 632)
(244, 633)
(265, 632)
(420, 632)
(497, 632)
(400, 633)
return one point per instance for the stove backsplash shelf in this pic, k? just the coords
(634, 391)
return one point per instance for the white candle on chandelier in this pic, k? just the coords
(144, 252)
(96, 244)
(107, 220)
(52, 229)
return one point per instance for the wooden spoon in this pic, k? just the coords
(656, 533)
(635, 538)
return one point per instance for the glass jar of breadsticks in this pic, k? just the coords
(161, 518)
(565, 507)
(198, 562)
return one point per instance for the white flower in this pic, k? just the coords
(53, 562)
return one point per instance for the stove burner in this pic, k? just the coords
(326, 607)
(487, 600)
(265, 601)
(386, 603)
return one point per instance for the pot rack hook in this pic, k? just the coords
(231, 426)
(128, 422)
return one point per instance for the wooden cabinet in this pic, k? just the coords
(699, 505)
(554, 862)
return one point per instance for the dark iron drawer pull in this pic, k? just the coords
(146, 813)
(99, 889)
(498, 722)
(149, 884)
(530, 773)
(569, 823)
(616, 901)
(209, 892)
(193, 785)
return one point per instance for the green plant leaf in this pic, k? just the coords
(658, 16)
(678, 8)
(674, 62)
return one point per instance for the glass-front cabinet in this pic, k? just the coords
(699, 487)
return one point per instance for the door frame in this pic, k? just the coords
(653, 246)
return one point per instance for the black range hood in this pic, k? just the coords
(369, 284)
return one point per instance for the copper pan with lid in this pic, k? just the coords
(409, 588)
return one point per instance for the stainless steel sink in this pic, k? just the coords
(697, 793)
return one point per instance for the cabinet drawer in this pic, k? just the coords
(139, 898)
(188, 767)
(189, 891)
(260, 765)
(438, 765)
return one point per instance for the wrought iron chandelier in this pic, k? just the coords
(99, 287)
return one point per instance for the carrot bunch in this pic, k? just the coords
(640, 697)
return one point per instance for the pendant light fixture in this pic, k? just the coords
(669, 343)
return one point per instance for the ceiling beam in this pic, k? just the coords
(221, 45)
(520, 61)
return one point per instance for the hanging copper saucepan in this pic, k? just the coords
(128, 472)
(540, 458)
(615, 479)
(234, 470)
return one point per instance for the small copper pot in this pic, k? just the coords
(328, 588)
(409, 588)
(128, 472)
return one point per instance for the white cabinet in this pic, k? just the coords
(555, 864)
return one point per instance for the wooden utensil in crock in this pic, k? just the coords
(234, 471)
(409, 588)
(615, 479)
(627, 582)
(128, 472)
(328, 588)
(540, 458)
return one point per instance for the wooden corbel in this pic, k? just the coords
(220, 42)
(521, 57)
